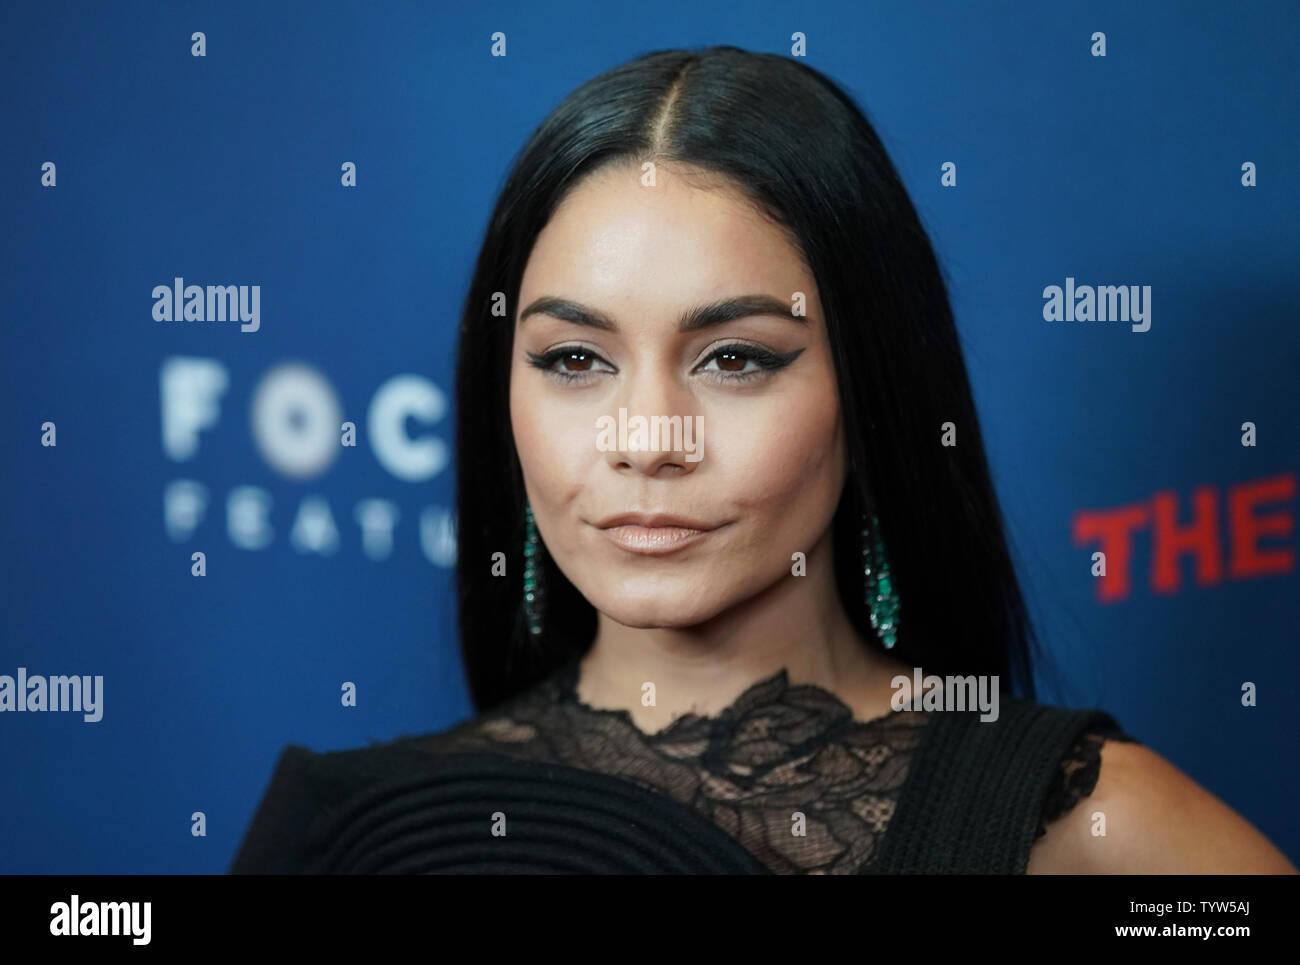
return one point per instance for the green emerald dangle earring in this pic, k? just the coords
(882, 601)
(534, 590)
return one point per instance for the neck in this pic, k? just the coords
(797, 624)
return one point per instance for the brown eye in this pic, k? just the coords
(571, 364)
(730, 363)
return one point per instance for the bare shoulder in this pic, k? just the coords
(1156, 820)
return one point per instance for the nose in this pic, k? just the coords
(655, 431)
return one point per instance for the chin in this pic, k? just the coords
(645, 619)
(643, 607)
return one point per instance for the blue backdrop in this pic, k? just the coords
(1169, 162)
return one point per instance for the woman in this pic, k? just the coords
(722, 501)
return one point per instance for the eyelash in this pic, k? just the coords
(768, 361)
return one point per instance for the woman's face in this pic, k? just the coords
(756, 472)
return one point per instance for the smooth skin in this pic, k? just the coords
(1157, 821)
(707, 621)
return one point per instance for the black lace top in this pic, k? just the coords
(785, 772)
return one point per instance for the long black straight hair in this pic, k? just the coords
(799, 148)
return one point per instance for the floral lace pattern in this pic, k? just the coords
(785, 769)
(1077, 777)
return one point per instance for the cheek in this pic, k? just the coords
(555, 439)
(781, 455)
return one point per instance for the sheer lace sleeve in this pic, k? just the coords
(1077, 776)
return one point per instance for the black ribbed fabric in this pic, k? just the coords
(438, 819)
(972, 804)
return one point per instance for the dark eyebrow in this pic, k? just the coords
(694, 319)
